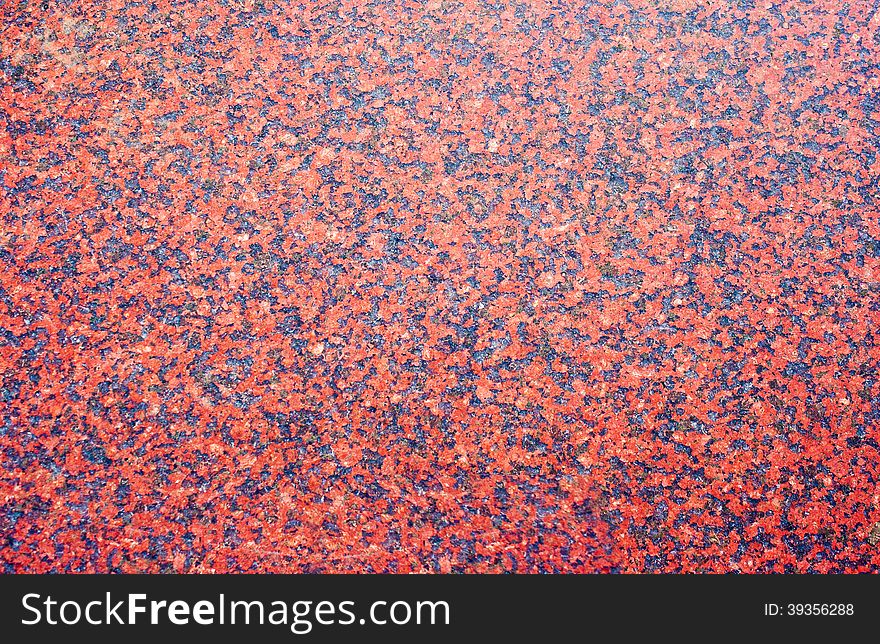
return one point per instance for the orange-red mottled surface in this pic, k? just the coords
(439, 286)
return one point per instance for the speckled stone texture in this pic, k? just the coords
(445, 286)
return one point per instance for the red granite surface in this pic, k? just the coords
(443, 286)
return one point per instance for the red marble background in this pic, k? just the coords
(443, 286)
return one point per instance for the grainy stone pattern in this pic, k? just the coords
(439, 286)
